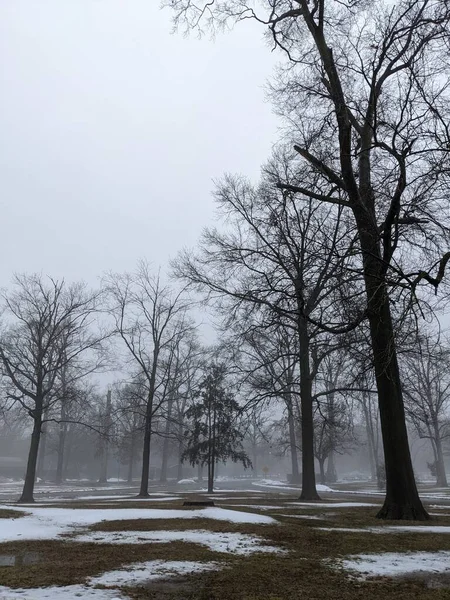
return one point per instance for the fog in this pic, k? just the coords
(113, 130)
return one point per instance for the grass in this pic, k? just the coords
(6, 513)
(306, 572)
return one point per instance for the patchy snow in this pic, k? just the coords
(186, 481)
(332, 504)
(256, 506)
(418, 528)
(235, 543)
(398, 563)
(130, 498)
(48, 523)
(393, 529)
(139, 573)
(131, 575)
(272, 483)
(69, 592)
(312, 517)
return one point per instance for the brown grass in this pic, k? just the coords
(6, 513)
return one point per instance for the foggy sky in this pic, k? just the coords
(113, 129)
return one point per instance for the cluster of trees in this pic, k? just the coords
(56, 338)
(349, 229)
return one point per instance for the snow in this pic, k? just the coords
(279, 485)
(186, 481)
(418, 528)
(48, 523)
(393, 529)
(332, 504)
(69, 592)
(235, 543)
(128, 498)
(273, 483)
(256, 506)
(397, 563)
(131, 575)
(323, 488)
(312, 517)
(139, 573)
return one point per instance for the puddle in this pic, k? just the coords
(19, 560)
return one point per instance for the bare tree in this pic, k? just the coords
(48, 325)
(148, 317)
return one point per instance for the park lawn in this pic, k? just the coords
(309, 569)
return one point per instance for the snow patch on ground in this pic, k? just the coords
(393, 529)
(283, 485)
(398, 563)
(186, 481)
(48, 523)
(332, 504)
(69, 592)
(139, 573)
(235, 543)
(131, 575)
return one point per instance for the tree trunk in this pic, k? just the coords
(68, 453)
(61, 446)
(309, 491)
(30, 476)
(292, 441)
(104, 458)
(331, 475)
(166, 444)
(402, 499)
(322, 469)
(373, 459)
(441, 477)
(199, 472)
(131, 458)
(143, 491)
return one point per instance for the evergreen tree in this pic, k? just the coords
(215, 435)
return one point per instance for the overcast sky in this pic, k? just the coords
(112, 130)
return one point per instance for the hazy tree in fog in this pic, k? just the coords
(268, 365)
(426, 375)
(333, 414)
(148, 317)
(47, 325)
(214, 434)
(366, 103)
(129, 415)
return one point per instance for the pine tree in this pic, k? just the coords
(215, 435)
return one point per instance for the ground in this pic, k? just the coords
(258, 543)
